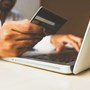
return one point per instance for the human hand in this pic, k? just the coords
(17, 37)
(59, 40)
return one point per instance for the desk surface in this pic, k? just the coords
(19, 77)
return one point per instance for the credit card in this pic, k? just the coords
(48, 19)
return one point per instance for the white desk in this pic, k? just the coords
(18, 77)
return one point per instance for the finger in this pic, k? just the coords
(19, 47)
(12, 35)
(76, 39)
(26, 43)
(20, 36)
(30, 33)
(23, 46)
(72, 42)
(59, 47)
(23, 26)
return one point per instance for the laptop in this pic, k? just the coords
(80, 62)
(66, 62)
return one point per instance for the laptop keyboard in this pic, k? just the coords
(66, 56)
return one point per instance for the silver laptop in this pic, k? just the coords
(60, 63)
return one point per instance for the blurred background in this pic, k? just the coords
(77, 12)
(27, 7)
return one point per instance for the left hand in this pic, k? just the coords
(59, 40)
(17, 37)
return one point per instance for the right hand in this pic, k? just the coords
(17, 37)
(59, 41)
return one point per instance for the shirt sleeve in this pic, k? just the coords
(45, 45)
